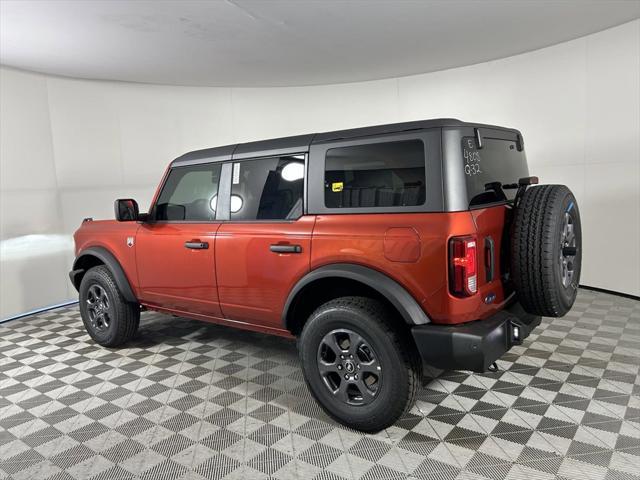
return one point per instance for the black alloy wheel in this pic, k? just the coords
(349, 367)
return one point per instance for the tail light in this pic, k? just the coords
(463, 264)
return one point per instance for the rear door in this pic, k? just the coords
(499, 161)
(175, 250)
(264, 248)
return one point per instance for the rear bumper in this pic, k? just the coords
(474, 345)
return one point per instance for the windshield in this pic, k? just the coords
(497, 161)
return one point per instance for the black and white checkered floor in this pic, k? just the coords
(193, 400)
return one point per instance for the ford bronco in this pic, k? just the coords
(381, 249)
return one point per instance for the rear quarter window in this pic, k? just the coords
(390, 174)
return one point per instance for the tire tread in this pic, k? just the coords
(376, 312)
(127, 315)
(533, 250)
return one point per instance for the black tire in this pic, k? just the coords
(123, 317)
(400, 367)
(545, 285)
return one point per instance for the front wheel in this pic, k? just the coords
(108, 318)
(362, 371)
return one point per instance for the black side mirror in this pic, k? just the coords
(126, 210)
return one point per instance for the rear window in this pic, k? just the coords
(390, 174)
(497, 161)
(268, 188)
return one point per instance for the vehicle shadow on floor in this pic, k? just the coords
(265, 365)
(157, 328)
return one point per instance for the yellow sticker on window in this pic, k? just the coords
(337, 186)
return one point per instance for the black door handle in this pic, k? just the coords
(278, 248)
(489, 258)
(197, 245)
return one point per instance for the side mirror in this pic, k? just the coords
(126, 210)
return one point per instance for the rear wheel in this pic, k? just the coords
(362, 371)
(546, 250)
(108, 318)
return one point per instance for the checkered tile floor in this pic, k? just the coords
(198, 401)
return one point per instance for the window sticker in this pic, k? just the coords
(236, 173)
(337, 186)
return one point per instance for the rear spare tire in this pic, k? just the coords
(546, 250)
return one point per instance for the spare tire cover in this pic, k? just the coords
(546, 250)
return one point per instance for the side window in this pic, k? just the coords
(190, 193)
(268, 188)
(388, 174)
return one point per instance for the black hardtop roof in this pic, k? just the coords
(301, 143)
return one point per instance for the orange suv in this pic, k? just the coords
(381, 249)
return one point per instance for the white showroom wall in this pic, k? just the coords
(68, 147)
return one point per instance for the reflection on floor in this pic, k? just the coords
(192, 400)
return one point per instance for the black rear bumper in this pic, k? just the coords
(474, 345)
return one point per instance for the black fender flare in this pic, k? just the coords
(411, 312)
(111, 262)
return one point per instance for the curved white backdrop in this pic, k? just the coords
(70, 147)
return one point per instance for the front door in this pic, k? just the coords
(175, 250)
(265, 246)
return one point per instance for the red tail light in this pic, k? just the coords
(463, 265)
